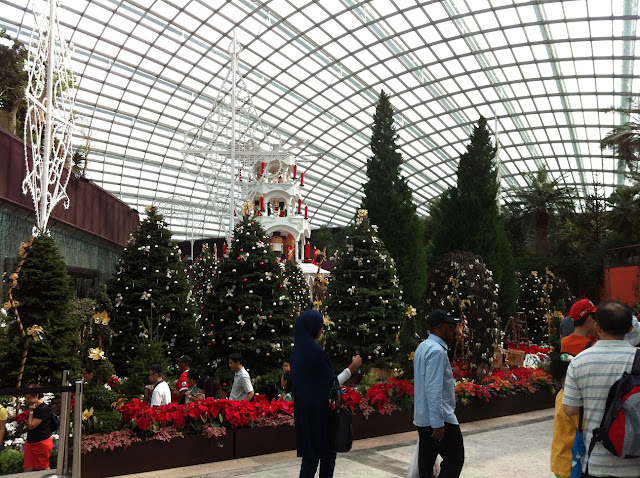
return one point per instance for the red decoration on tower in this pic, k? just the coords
(301, 179)
(295, 171)
(306, 211)
(262, 166)
(307, 250)
(224, 248)
(262, 202)
(299, 206)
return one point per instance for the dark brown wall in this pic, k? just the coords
(92, 209)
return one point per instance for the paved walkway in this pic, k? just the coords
(517, 446)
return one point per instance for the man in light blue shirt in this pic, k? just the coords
(435, 401)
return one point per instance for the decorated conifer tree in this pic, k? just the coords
(365, 304)
(296, 287)
(149, 291)
(248, 310)
(201, 275)
(44, 291)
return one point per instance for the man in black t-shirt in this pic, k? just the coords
(37, 450)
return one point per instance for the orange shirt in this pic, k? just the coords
(574, 344)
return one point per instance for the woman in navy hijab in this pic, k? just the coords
(313, 378)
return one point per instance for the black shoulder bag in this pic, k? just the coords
(340, 432)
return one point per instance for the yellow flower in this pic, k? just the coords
(534, 273)
(101, 318)
(86, 414)
(411, 311)
(36, 332)
(412, 355)
(96, 354)
(117, 404)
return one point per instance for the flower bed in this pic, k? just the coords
(214, 430)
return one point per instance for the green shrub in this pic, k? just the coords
(11, 461)
(103, 421)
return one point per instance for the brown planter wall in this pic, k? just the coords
(502, 406)
(378, 425)
(154, 455)
(264, 440)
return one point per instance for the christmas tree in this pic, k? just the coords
(296, 287)
(248, 310)
(462, 285)
(201, 274)
(44, 291)
(469, 219)
(388, 198)
(150, 292)
(365, 304)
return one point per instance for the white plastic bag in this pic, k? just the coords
(414, 472)
(413, 464)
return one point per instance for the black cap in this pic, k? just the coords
(441, 316)
(185, 359)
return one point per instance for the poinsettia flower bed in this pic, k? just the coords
(212, 418)
(504, 382)
(528, 349)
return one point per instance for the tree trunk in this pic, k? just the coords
(543, 248)
(13, 118)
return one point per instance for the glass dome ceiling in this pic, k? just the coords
(542, 72)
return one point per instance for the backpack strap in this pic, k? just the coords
(635, 369)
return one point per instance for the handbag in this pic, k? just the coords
(340, 431)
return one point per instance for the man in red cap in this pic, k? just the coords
(582, 337)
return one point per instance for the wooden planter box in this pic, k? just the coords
(263, 440)
(152, 455)
(507, 405)
(378, 425)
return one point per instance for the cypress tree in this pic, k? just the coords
(388, 199)
(469, 218)
(365, 304)
(149, 292)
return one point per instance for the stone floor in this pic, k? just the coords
(517, 446)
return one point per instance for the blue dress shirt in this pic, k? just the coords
(434, 395)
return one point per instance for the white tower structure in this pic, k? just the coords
(279, 207)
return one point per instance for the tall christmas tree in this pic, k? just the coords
(296, 287)
(248, 310)
(150, 292)
(388, 198)
(470, 220)
(44, 291)
(365, 303)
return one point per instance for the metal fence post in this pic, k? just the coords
(77, 431)
(65, 417)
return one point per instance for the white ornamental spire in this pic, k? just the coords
(48, 126)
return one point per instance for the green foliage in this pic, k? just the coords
(248, 310)
(365, 303)
(150, 292)
(469, 219)
(543, 298)
(11, 461)
(44, 291)
(296, 287)
(146, 355)
(542, 200)
(462, 285)
(103, 421)
(388, 198)
(624, 140)
(13, 82)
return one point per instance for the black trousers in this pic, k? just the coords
(327, 465)
(451, 449)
